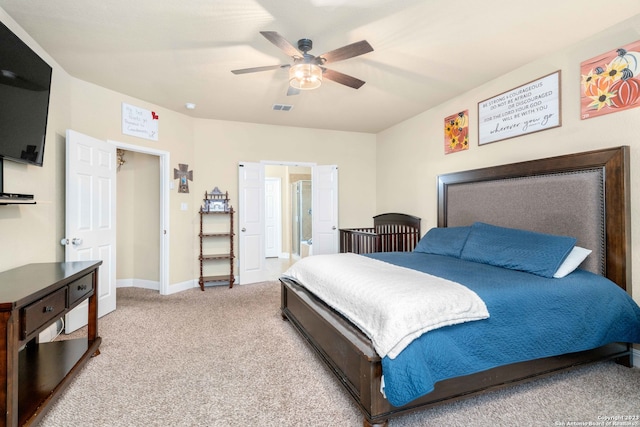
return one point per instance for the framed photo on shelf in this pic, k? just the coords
(217, 205)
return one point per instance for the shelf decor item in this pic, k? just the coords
(211, 230)
(216, 201)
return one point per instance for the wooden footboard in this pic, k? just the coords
(350, 356)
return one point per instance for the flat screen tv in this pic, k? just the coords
(25, 83)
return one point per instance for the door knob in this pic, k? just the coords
(243, 229)
(75, 241)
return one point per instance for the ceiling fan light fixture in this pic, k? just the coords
(305, 76)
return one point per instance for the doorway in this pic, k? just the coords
(251, 215)
(301, 219)
(143, 216)
(295, 215)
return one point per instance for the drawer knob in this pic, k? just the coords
(48, 309)
(82, 287)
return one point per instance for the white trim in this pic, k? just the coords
(124, 283)
(636, 357)
(165, 181)
(283, 163)
(138, 283)
(183, 286)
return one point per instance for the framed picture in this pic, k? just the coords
(456, 132)
(610, 82)
(217, 206)
(532, 107)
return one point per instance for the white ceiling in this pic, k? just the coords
(170, 52)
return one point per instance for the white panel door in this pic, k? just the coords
(325, 210)
(90, 217)
(251, 248)
(272, 217)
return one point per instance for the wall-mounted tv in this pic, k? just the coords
(25, 83)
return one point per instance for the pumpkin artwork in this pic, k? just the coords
(626, 92)
(456, 132)
(611, 82)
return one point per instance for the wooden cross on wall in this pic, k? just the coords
(184, 175)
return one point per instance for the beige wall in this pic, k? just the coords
(211, 148)
(220, 145)
(32, 233)
(96, 111)
(411, 154)
(393, 171)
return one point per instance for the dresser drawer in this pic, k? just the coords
(79, 289)
(40, 312)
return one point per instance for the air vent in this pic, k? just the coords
(282, 107)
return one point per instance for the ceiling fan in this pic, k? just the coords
(307, 71)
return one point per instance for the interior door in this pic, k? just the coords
(251, 248)
(325, 210)
(90, 217)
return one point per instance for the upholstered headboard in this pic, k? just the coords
(583, 195)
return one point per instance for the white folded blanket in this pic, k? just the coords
(392, 305)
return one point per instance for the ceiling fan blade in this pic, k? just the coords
(346, 52)
(292, 91)
(257, 69)
(282, 43)
(341, 78)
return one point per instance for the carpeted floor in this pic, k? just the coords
(225, 357)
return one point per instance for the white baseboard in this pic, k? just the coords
(636, 357)
(138, 283)
(184, 286)
(153, 285)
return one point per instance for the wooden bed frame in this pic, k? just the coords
(391, 232)
(349, 354)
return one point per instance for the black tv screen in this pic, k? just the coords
(25, 83)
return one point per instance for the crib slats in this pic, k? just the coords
(391, 233)
(359, 240)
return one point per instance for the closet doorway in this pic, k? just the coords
(142, 216)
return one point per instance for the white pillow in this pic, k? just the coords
(572, 261)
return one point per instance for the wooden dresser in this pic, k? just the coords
(32, 297)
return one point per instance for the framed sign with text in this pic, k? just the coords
(532, 107)
(139, 122)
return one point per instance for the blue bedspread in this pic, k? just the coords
(530, 317)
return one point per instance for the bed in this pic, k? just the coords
(391, 232)
(583, 195)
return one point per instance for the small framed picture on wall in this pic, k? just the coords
(456, 132)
